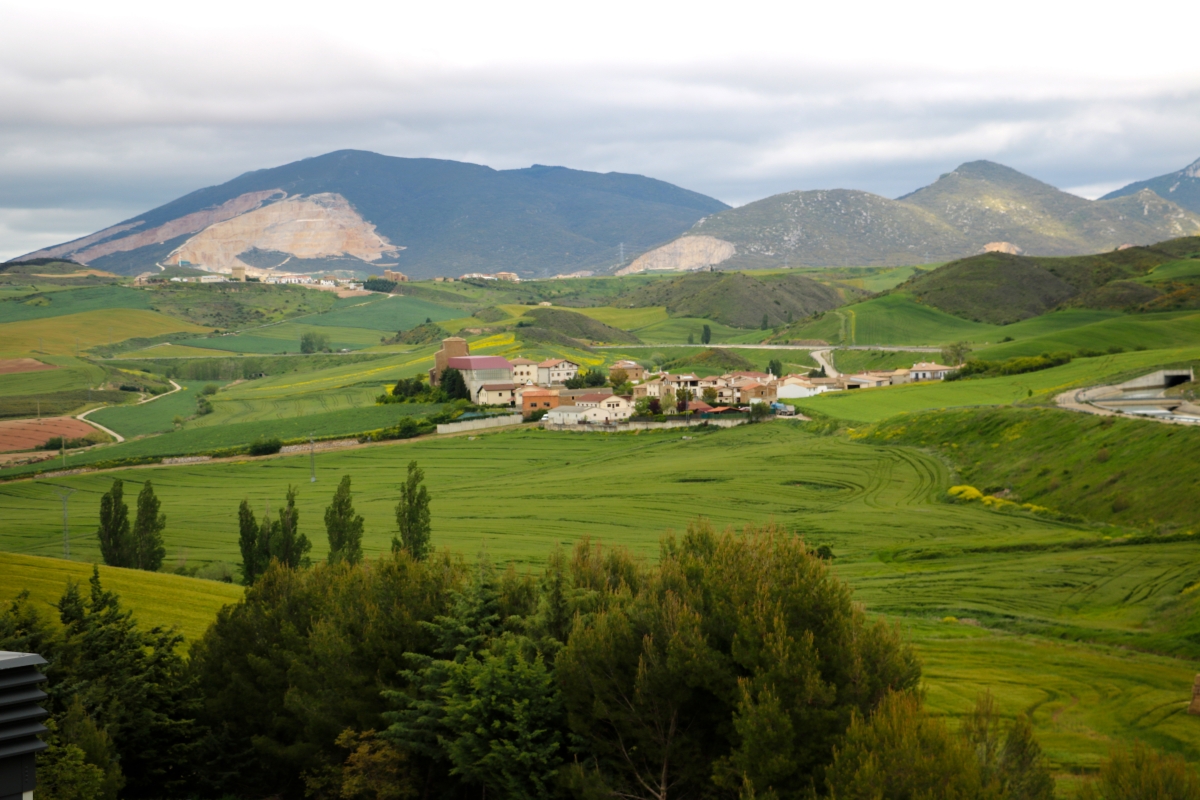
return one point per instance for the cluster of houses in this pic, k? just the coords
(534, 386)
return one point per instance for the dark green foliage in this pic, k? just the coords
(682, 396)
(759, 411)
(578, 326)
(1142, 773)
(589, 378)
(313, 342)
(287, 545)
(734, 665)
(766, 323)
(453, 385)
(209, 389)
(412, 515)
(266, 447)
(425, 333)
(374, 284)
(775, 367)
(413, 390)
(344, 527)
(248, 530)
(706, 334)
(1012, 366)
(116, 543)
(148, 547)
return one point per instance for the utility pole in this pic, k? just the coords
(312, 459)
(65, 494)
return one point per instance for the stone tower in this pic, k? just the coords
(451, 348)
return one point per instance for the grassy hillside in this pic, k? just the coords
(40, 305)
(188, 604)
(1124, 471)
(237, 305)
(384, 313)
(891, 319)
(578, 326)
(862, 360)
(1127, 332)
(62, 335)
(737, 299)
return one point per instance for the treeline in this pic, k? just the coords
(981, 368)
(737, 665)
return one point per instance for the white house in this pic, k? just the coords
(929, 371)
(556, 370)
(566, 415)
(794, 387)
(524, 370)
(611, 409)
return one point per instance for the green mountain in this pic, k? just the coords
(978, 207)
(1001, 288)
(579, 327)
(362, 212)
(1181, 187)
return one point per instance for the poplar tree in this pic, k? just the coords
(412, 515)
(705, 334)
(114, 536)
(344, 528)
(148, 548)
(248, 543)
(287, 544)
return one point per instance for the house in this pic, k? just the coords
(633, 370)
(901, 376)
(497, 394)
(611, 409)
(572, 396)
(507, 276)
(566, 415)
(592, 400)
(392, 275)
(929, 371)
(556, 370)
(673, 383)
(754, 392)
(524, 370)
(212, 278)
(651, 388)
(480, 370)
(796, 386)
(452, 347)
(535, 398)
(699, 407)
(865, 381)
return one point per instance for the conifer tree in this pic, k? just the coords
(114, 536)
(148, 548)
(412, 515)
(344, 528)
(705, 334)
(248, 544)
(287, 544)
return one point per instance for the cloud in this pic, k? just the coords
(140, 104)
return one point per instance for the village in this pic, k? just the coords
(551, 389)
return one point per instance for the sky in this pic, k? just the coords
(109, 109)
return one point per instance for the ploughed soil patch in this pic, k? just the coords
(9, 366)
(26, 434)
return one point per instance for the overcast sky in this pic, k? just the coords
(108, 109)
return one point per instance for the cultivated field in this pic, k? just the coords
(62, 335)
(26, 434)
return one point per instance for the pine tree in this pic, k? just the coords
(412, 515)
(149, 550)
(115, 539)
(248, 544)
(344, 528)
(453, 384)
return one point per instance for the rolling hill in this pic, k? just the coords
(1181, 187)
(979, 206)
(355, 210)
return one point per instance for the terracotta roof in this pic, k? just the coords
(553, 362)
(930, 365)
(478, 362)
(522, 361)
(592, 398)
(498, 387)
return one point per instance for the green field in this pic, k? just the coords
(893, 319)
(229, 408)
(908, 554)
(871, 405)
(72, 374)
(284, 337)
(155, 598)
(850, 361)
(74, 301)
(1145, 331)
(383, 313)
(155, 416)
(64, 335)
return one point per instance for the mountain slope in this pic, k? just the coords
(979, 206)
(423, 216)
(1181, 187)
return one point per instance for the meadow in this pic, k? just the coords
(1128, 332)
(850, 361)
(388, 313)
(64, 335)
(1002, 577)
(156, 416)
(284, 337)
(893, 319)
(72, 374)
(57, 304)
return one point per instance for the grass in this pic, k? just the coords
(228, 408)
(631, 319)
(171, 350)
(72, 374)
(284, 337)
(188, 604)
(154, 417)
(851, 361)
(62, 335)
(74, 301)
(1147, 331)
(872, 405)
(893, 319)
(676, 330)
(908, 555)
(384, 313)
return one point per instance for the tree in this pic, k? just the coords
(453, 384)
(285, 543)
(775, 367)
(955, 354)
(766, 323)
(1142, 773)
(412, 515)
(313, 342)
(682, 395)
(248, 530)
(116, 543)
(711, 395)
(618, 377)
(655, 406)
(344, 528)
(641, 407)
(148, 547)
(705, 334)
(691, 338)
(594, 378)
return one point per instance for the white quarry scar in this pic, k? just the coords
(319, 226)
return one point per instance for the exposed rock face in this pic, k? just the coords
(683, 255)
(320, 226)
(1002, 247)
(190, 223)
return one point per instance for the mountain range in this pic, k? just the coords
(363, 212)
(426, 217)
(980, 206)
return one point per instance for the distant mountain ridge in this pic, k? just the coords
(980, 205)
(426, 217)
(1181, 187)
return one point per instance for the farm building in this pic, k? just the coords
(566, 415)
(929, 371)
(537, 399)
(556, 370)
(497, 394)
(633, 370)
(480, 370)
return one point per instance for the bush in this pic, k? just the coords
(1013, 366)
(379, 285)
(209, 389)
(266, 447)
(1140, 773)
(313, 342)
